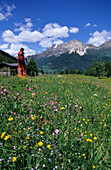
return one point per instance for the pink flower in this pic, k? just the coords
(31, 116)
(27, 85)
(14, 113)
(2, 87)
(53, 134)
(5, 90)
(76, 105)
(57, 131)
(17, 93)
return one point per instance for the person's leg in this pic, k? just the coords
(19, 70)
(24, 71)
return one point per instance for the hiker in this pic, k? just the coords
(21, 63)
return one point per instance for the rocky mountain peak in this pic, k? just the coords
(68, 47)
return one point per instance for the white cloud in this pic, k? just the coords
(15, 48)
(28, 36)
(26, 27)
(94, 25)
(24, 36)
(47, 42)
(58, 42)
(74, 30)
(98, 38)
(8, 36)
(88, 24)
(6, 12)
(55, 30)
(4, 46)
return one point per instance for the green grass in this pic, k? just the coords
(75, 129)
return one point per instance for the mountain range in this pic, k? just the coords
(72, 55)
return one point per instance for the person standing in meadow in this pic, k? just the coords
(21, 63)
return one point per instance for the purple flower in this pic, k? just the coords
(14, 113)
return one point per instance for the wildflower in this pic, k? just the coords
(95, 138)
(62, 108)
(93, 166)
(83, 119)
(89, 140)
(41, 132)
(2, 135)
(33, 117)
(91, 134)
(27, 137)
(7, 137)
(40, 143)
(56, 131)
(14, 159)
(95, 94)
(83, 154)
(24, 147)
(48, 146)
(11, 118)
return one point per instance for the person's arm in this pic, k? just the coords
(25, 58)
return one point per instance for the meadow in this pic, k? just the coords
(55, 122)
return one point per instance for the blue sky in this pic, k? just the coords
(38, 24)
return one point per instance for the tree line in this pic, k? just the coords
(97, 69)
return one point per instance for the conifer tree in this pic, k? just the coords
(32, 67)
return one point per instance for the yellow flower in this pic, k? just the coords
(41, 132)
(95, 138)
(7, 137)
(91, 134)
(93, 166)
(48, 146)
(27, 137)
(11, 118)
(83, 154)
(2, 135)
(62, 108)
(83, 119)
(33, 118)
(89, 140)
(24, 147)
(40, 143)
(14, 159)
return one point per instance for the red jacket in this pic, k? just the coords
(20, 57)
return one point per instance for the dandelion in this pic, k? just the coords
(40, 143)
(93, 166)
(27, 137)
(83, 154)
(41, 132)
(10, 119)
(89, 140)
(14, 159)
(7, 137)
(48, 146)
(62, 108)
(95, 138)
(2, 135)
